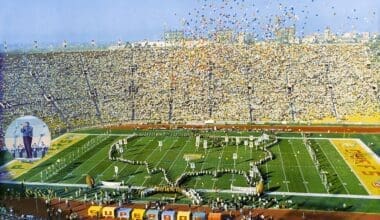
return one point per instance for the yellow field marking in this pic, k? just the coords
(192, 156)
(17, 168)
(362, 161)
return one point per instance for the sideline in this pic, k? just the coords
(198, 190)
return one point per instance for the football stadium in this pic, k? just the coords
(214, 120)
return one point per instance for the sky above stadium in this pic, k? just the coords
(52, 21)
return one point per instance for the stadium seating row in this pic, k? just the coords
(223, 82)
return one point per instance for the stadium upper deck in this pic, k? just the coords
(223, 82)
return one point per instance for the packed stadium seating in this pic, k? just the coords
(223, 82)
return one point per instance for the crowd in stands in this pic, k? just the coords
(223, 82)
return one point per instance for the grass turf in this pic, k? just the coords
(292, 170)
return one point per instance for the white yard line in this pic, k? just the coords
(166, 152)
(87, 171)
(221, 158)
(126, 164)
(237, 152)
(247, 137)
(316, 138)
(283, 169)
(369, 151)
(205, 159)
(266, 168)
(147, 159)
(337, 174)
(91, 141)
(138, 169)
(149, 156)
(327, 195)
(185, 145)
(316, 168)
(111, 166)
(47, 157)
(299, 167)
(7, 164)
(63, 185)
(171, 165)
(199, 190)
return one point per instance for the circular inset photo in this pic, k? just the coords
(27, 138)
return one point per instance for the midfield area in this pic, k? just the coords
(292, 168)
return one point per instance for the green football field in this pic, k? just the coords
(291, 170)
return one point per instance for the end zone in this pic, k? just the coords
(364, 162)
